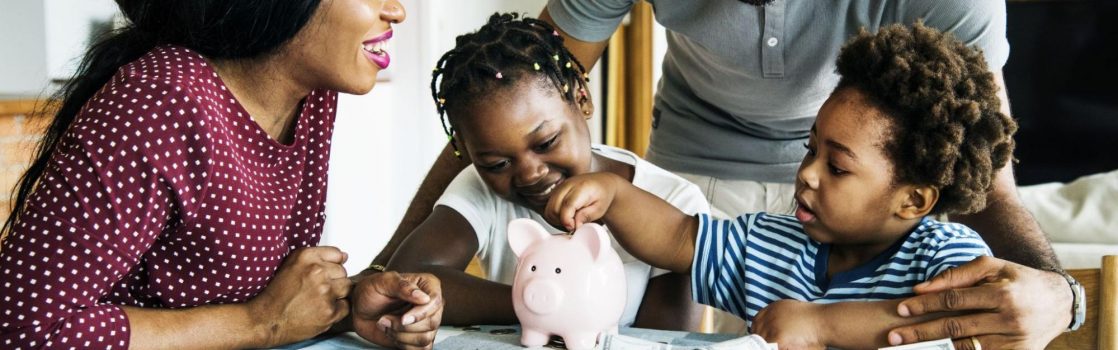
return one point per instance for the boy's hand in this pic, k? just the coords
(792, 324)
(581, 199)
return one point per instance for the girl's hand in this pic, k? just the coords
(792, 324)
(306, 296)
(581, 199)
(398, 310)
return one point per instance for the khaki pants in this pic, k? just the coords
(728, 199)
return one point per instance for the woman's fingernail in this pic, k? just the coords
(902, 310)
(408, 319)
(894, 338)
(384, 324)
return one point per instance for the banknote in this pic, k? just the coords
(623, 342)
(942, 344)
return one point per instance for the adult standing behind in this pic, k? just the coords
(742, 83)
(178, 195)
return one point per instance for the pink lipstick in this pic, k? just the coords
(375, 49)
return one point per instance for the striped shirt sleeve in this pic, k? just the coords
(962, 246)
(718, 269)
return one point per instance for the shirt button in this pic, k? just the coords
(772, 42)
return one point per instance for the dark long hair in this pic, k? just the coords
(217, 29)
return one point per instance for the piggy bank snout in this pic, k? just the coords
(543, 296)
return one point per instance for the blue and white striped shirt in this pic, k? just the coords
(742, 265)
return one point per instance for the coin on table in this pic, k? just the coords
(503, 331)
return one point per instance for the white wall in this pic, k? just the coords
(42, 40)
(68, 29)
(23, 69)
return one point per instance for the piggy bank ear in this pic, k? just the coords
(594, 237)
(524, 232)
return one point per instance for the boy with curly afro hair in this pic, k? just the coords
(912, 130)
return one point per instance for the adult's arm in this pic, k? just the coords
(443, 245)
(1014, 306)
(96, 216)
(446, 167)
(306, 296)
(798, 324)
(1022, 305)
(1007, 227)
(204, 327)
(587, 52)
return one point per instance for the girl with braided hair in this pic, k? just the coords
(515, 102)
(912, 130)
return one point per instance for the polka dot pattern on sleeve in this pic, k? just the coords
(163, 193)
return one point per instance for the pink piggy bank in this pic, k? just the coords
(572, 286)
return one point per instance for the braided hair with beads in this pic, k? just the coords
(506, 50)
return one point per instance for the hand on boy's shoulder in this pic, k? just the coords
(1013, 304)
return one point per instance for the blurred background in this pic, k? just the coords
(1061, 75)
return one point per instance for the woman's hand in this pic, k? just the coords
(581, 199)
(792, 324)
(398, 310)
(1016, 307)
(306, 296)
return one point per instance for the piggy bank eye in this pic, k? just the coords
(557, 270)
(533, 267)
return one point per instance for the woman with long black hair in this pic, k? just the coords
(177, 198)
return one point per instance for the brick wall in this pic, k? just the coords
(19, 132)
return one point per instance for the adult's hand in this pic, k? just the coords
(398, 310)
(1006, 305)
(306, 296)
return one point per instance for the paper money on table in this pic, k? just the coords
(942, 344)
(624, 342)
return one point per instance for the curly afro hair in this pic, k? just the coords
(941, 102)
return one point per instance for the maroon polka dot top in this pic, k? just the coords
(163, 193)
